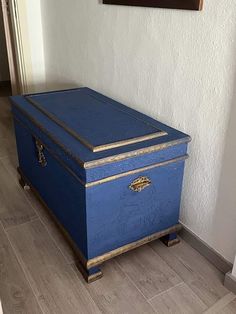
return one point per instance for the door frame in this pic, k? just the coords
(15, 52)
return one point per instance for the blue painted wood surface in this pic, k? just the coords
(62, 193)
(20, 104)
(95, 120)
(118, 216)
(106, 216)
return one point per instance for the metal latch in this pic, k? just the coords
(41, 157)
(140, 184)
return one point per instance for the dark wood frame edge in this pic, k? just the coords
(196, 5)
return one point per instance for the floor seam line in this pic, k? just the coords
(132, 282)
(21, 224)
(169, 265)
(27, 200)
(73, 271)
(157, 295)
(37, 215)
(23, 269)
(180, 277)
(197, 295)
(67, 262)
(228, 294)
(128, 277)
(188, 282)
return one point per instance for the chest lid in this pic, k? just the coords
(95, 122)
(90, 128)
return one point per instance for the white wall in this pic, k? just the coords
(30, 44)
(176, 66)
(4, 70)
(224, 219)
(36, 49)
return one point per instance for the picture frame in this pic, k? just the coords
(170, 4)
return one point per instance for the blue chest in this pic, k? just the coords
(111, 176)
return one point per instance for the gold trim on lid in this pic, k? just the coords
(133, 140)
(135, 153)
(103, 147)
(104, 160)
(110, 178)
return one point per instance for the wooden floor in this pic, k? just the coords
(38, 271)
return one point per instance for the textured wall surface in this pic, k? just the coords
(176, 66)
(34, 39)
(4, 70)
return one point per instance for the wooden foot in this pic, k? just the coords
(170, 239)
(91, 274)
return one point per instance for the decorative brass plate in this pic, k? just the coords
(140, 184)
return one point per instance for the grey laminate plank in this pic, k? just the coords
(115, 293)
(178, 300)
(7, 137)
(5, 107)
(6, 127)
(202, 277)
(14, 207)
(229, 309)
(55, 232)
(148, 271)
(15, 292)
(7, 146)
(54, 282)
(222, 304)
(11, 164)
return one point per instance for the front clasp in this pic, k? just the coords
(41, 157)
(140, 184)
